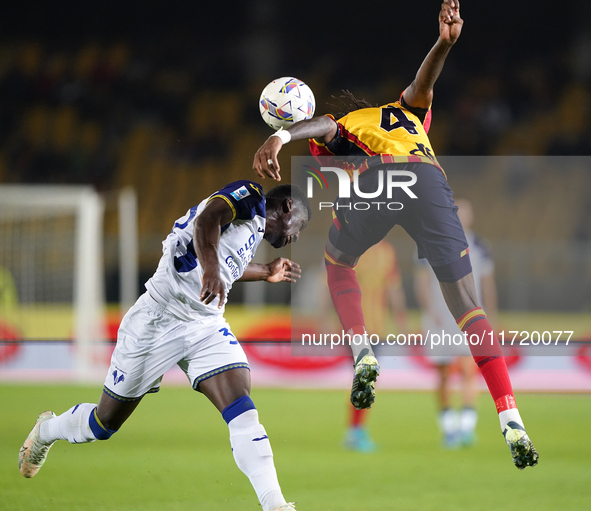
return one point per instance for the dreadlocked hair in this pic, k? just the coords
(349, 103)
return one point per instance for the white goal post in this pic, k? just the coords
(51, 243)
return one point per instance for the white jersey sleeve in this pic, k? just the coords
(178, 279)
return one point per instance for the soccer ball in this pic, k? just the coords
(286, 101)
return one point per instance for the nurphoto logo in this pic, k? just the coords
(386, 180)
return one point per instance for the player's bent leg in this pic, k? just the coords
(229, 392)
(111, 413)
(448, 417)
(346, 298)
(486, 351)
(72, 425)
(468, 415)
(357, 437)
(81, 424)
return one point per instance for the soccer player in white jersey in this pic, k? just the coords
(458, 429)
(179, 320)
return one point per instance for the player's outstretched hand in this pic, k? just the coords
(450, 23)
(283, 270)
(212, 287)
(265, 159)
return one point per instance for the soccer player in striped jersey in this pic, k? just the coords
(373, 141)
(179, 321)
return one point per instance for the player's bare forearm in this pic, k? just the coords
(321, 128)
(265, 161)
(278, 270)
(206, 234)
(419, 93)
(255, 272)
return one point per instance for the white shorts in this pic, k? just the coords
(151, 341)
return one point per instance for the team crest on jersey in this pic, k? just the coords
(240, 193)
(117, 378)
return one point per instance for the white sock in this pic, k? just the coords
(512, 414)
(72, 426)
(253, 455)
(468, 420)
(448, 421)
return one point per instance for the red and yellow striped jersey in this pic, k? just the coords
(392, 133)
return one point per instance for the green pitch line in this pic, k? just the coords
(174, 454)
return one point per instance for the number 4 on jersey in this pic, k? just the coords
(391, 113)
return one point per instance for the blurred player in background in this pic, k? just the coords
(179, 320)
(458, 428)
(382, 294)
(393, 137)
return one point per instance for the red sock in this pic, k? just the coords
(489, 357)
(357, 417)
(345, 294)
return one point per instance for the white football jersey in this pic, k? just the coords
(177, 282)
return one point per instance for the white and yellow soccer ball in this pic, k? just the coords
(286, 101)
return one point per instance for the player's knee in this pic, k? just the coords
(340, 277)
(453, 272)
(237, 408)
(99, 430)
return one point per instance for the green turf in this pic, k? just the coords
(174, 454)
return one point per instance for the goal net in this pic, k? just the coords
(51, 269)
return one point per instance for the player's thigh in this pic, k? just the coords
(149, 342)
(226, 387)
(210, 353)
(352, 233)
(432, 220)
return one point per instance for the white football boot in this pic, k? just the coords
(34, 452)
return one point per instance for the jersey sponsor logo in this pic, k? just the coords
(240, 193)
(246, 252)
(230, 263)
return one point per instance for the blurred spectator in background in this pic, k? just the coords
(382, 298)
(458, 427)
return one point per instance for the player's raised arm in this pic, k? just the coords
(207, 238)
(265, 161)
(419, 93)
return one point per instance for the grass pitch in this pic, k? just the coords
(174, 454)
